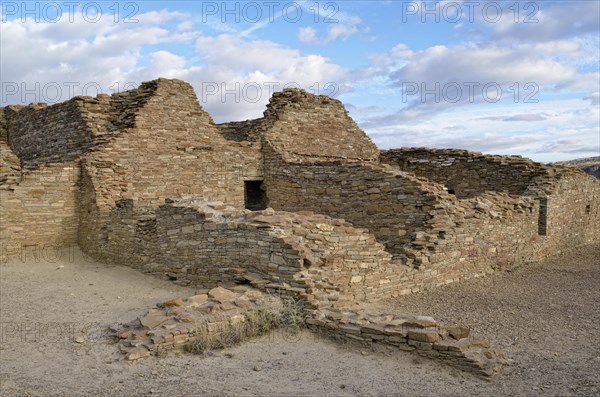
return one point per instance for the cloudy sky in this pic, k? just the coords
(504, 77)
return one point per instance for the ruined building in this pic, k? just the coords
(300, 198)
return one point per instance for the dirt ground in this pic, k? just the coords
(52, 343)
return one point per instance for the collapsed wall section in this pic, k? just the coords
(317, 259)
(467, 174)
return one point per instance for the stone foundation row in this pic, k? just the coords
(223, 317)
(455, 345)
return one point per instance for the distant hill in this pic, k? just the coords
(591, 165)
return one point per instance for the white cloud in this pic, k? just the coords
(488, 63)
(102, 54)
(308, 35)
(547, 20)
(106, 56)
(550, 131)
(345, 27)
(228, 60)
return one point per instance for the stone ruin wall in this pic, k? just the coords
(10, 165)
(435, 237)
(478, 235)
(445, 238)
(329, 166)
(419, 222)
(171, 147)
(566, 208)
(467, 174)
(391, 205)
(168, 147)
(320, 260)
(38, 195)
(39, 214)
(40, 134)
(301, 127)
(126, 144)
(573, 211)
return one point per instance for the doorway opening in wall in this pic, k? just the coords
(255, 196)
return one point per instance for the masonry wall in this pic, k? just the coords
(383, 231)
(10, 165)
(467, 174)
(321, 260)
(40, 211)
(573, 211)
(324, 262)
(488, 232)
(391, 204)
(194, 249)
(41, 134)
(299, 125)
(169, 147)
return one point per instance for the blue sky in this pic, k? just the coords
(503, 77)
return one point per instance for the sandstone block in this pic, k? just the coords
(420, 322)
(423, 335)
(172, 302)
(458, 333)
(221, 294)
(152, 320)
(373, 328)
(197, 300)
(137, 353)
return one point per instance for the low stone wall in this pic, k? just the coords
(466, 173)
(455, 345)
(40, 212)
(216, 319)
(224, 317)
(323, 261)
(320, 260)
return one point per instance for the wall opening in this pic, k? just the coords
(588, 208)
(255, 196)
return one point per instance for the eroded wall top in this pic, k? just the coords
(465, 173)
(305, 127)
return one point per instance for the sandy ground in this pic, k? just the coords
(545, 317)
